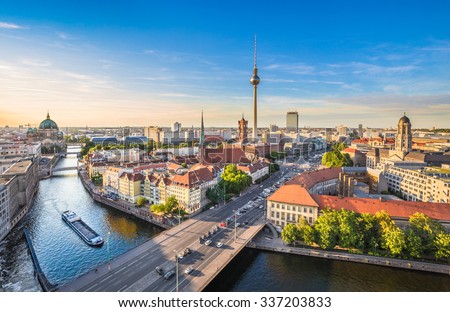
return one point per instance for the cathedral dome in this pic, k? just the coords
(404, 120)
(48, 124)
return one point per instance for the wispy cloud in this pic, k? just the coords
(35, 62)
(10, 26)
(295, 68)
(359, 68)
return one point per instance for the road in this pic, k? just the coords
(135, 270)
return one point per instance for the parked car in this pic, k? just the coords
(187, 251)
(208, 242)
(168, 275)
(219, 244)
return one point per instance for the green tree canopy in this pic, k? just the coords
(335, 157)
(421, 235)
(442, 244)
(290, 233)
(235, 180)
(327, 228)
(140, 201)
(306, 232)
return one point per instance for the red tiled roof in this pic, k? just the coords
(132, 176)
(252, 168)
(193, 177)
(228, 155)
(349, 150)
(293, 194)
(309, 179)
(395, 208)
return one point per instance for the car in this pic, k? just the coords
(189, 270)
(180, 257)
(159, 270)
(245, 222)
(219, 244)
(187, 251)
(168, 275)
(261, 206)
(237, 224)
(208, 242)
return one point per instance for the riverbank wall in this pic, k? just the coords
(43, 281)
(120, 205)
(277, 245)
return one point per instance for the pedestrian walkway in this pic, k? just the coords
(264, 242)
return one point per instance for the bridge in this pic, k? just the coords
(64, 169)
(135, 270)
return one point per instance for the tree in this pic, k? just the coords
(395, 240)
(422, 233)
(349, 235)
(235, 180)
(158, 208)
(327, 228)
(335, 157)
(140, 201)
(371, 231)
(290, 233)
(172, 204)
(216, 193)
(442, 244)
(306, 231)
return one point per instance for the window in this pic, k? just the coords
(304, 209)
(310, 210)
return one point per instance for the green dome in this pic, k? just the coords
(48, 124)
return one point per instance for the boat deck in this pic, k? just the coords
(84, 229)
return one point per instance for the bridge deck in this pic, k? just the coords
(135, 270)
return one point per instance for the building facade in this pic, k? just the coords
(426, 185)
(4, 211)
(292, 122)
(290, 203)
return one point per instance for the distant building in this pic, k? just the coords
(360, 130)
(176, 127)
(342, 130)
(273, 128)
(48, 129)
(104, 140)
(292, 122)
(242, 130)
(18, 185)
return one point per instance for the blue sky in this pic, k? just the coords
(152, 63)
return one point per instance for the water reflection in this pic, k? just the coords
(62, 254)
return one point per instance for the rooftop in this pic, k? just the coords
(20, 167)
(293, 194)
(395, 208)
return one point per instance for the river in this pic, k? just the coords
(64, 256)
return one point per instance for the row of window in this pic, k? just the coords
(289, 207)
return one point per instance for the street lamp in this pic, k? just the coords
(235, 228)
(176, 261)
(107, 248)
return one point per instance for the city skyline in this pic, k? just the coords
(153, 64)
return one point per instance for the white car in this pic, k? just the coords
(189, 270)
(219, 244)
(208, 242)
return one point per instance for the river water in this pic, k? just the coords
(64, 256)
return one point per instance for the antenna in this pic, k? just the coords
(255, 53)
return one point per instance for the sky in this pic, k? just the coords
(142, 63)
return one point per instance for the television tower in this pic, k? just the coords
(255, 81)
